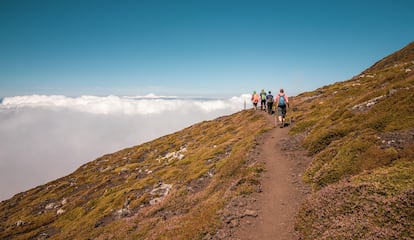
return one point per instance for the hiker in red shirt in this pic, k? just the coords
(282, 101)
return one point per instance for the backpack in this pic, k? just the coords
(282, 100)
(270, 98)
(263, 95)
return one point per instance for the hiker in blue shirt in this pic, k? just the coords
(270, 101)
(282, 102)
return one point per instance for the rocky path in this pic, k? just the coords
(282, 188)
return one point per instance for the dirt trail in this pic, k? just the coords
(282, 188)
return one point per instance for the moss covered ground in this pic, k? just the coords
(169, 188)
(360, 134)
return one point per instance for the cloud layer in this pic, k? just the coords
(47, 137)
(139, 105)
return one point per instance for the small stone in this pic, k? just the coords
(121, 213)
(221, 234)
(60, 211)
(234, 223)
(50, 206)
(250, 213)
(20, 223)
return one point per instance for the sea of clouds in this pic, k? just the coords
(47, 137)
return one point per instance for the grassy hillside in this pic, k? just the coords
(170, 188)
(360, 134)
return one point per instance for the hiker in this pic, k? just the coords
(270, 101)
(263, 100)
(255, 99)
(282, 102)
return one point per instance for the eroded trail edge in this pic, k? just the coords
(282, 189)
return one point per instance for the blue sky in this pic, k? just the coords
(193, 48)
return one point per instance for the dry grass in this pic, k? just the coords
(215, 156)
(361, 136)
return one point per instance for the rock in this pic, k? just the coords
(392, 92)
(155, 201)
(160, 192)
(367, 104)
(50, 206)
(180, 156)
(221, 234)
(174, 155)
(250, 213)
(20, 223)
(234, 223)
(124, 212)
(60, 211)
(126, 202)
(102, 169)
(43, 236)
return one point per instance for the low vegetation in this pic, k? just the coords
(170, 188)
(360, 134)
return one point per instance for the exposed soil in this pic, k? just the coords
(273, 209)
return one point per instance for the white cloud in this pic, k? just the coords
(139, 105)
(47, 137)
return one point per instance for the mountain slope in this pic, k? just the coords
(170, 188)
(360, 134)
